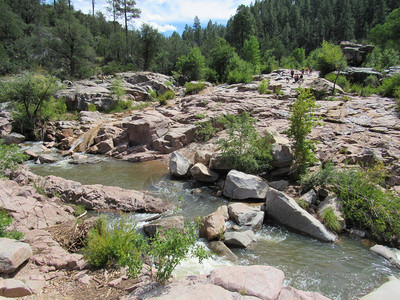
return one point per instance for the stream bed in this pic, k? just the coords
(344, 270)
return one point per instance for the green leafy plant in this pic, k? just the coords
(117, 245)
(10, 157)
(169, 247)
(205, 130)
(263, 87)
(92, 107)
(194, 87)
(117, 89)
(330, 220)
(244, 150)
(5, 221)
(390, 87)
(301, 122)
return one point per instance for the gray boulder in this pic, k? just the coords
(178, 165)
(310, 197)
(245, 215)
(243, 239)
(285, 210)
(13, 138)
(203, 174)
(240, 186)
(46, 159)
(355, 54)
(279, 185)
(386, 253)
(148, 80)
(282, 155)
(5, 123)
(175, 222)
(221, 249)
(12, 254)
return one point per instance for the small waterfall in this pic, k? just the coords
(83, 142)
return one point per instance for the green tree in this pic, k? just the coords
(221, 55)
(301, 122)
(240, 27)
(72, 45)
(251, 51)
(388, 34)
(191, 66)
(198, 32)
(31, 95)
(150, 40)
(330, 58)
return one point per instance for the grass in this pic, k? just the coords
(5, 221)
(193, 88)
(330, 220)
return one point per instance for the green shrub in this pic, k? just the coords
(244, 150)
(119, 245)
(205, 130)
(92, 107)
(119, 106)
(341, 81)
(301, 122)
(312, 180)
(194, 87)
(390, 86)
(330, 220)
(166, 96)
(263, 87)
(10, 157)
(5, 221)
(200, 116)
(169, 247)
(117, 89)
(372, 81)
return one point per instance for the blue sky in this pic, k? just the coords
(172, 15)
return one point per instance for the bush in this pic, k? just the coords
(205, 130)
(239, 71)
(5, 221)
(263, 87)
(92, 107)
(341, 81)
(301, 122)
(390, 86)
(320, 178)
(10, 157)
(119, 106)
(119, 245)
(330, 220)
(117, 89)
(329, 58)
(194, 87)
(244, 150)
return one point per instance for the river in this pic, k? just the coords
(344, 270)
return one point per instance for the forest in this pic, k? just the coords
(265, 35)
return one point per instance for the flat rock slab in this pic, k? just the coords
(285, 210)
(240, 186)
(12, 254)
(289, 293)
(263, 282)
(387, 291)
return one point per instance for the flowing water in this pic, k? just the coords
(344, 270)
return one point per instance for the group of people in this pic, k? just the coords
(299, 77)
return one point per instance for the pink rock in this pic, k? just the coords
(214, 223)
(14, 288)
(12, 254)
(263, 282)
(289, 293)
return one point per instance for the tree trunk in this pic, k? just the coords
(334, 84)
(93, 2)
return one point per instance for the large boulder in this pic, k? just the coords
(321, 88)
(203, 174)
(143, 128)
(174, 222)
(387, 291)
(12, 254)
(240, 186)
(263, 282)
(282, 155)
(242, 239)
(285, 210)
(13, 138)
(46, 159)
(214, 225)
(178, 165)
(245, 215)
(386, 253)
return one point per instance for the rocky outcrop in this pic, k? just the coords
(355, 54)
(12, 254)
(5, 123)
(148, 80)
(388, 290)
(103, 197)
(285, 210)
(174, 222)
(213, 225)
(360, 74)
(321, 88)
(386, 253)
(179, 165)
(240, 186)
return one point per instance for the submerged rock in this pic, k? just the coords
(221, 249)
(285, 210)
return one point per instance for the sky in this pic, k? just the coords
(172, 15)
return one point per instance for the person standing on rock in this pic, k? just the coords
(292, 73)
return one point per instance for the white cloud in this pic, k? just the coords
(163, 14)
